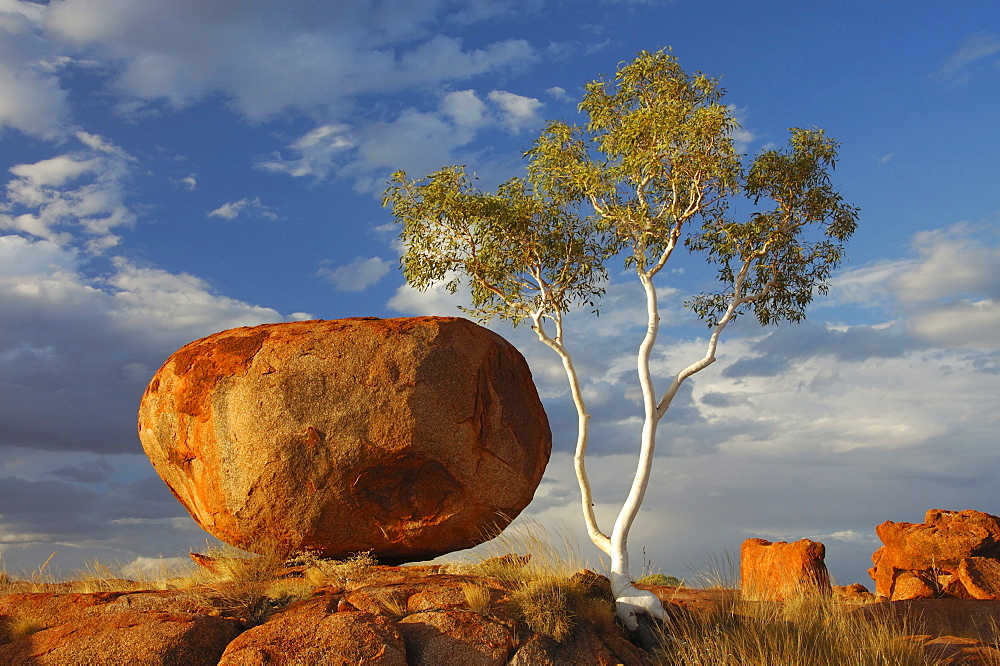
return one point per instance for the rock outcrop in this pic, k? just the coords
(405, 615)
(781, 571)
(391, 616)
(128, 637)
(950, 554)
(409, 437)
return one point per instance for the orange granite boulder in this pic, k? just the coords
(781, 571)
(407, 437)
(945, 556)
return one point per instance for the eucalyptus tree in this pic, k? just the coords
(654, 169)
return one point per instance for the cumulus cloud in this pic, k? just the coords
(31, 97)
(76, 353)
(949, 293)
(267, 59)
(417, 141)
(21, 257)
(316, 152)
(517, 111)
(961, 260)
(245, 207)
(78, 194)
(558, 93)
(358, 275)
(189, 182)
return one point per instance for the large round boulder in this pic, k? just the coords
(407, 437)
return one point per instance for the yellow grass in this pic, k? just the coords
(479, 598)
(546, 596)
(801, 632)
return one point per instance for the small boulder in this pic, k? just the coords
(855, 594)
(312, 636)
(980, 577)
(455, 637)
(913, 585)
(409, 438)
(781, 571)
(584, 646)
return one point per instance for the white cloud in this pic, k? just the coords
(189, 182)
(866, 285)
(317, 153)
(464, 108)
(84, 191)
(975, 47)
(358, 275)
(965, 324)
(559, 94)
(246, 206)
(436, 301)
(20, 256)
(415, 141)
(475, 11)
(157, 568)
(949, 294)
(31, 97)
(266, 59)
(742, 137)
(53, 172)
(517, 111)
(957, 260)
(75, 353)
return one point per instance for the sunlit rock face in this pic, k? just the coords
(950, 554)
(407, 437)
(782, 571)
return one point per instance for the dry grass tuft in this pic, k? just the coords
(539, 571)
(19, 625)
(393, 604)
(345, 573)
(98, 577)
(548, 606)
(719, 571)
(39, 580)
(802, 632)
(246, 587)
(479, 598)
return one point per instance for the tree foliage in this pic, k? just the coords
(792, 248)
(520, 252)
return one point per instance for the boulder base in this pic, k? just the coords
(409, 438)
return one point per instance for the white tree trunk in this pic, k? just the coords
(628, 599)
(600, 539)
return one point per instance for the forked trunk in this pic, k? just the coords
(628, 599)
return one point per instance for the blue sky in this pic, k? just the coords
(172, 169)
